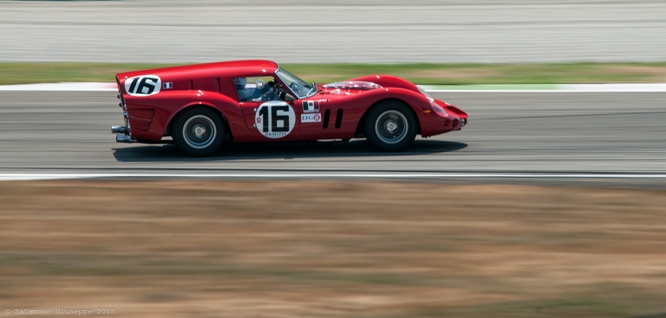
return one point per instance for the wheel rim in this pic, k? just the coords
(199, 131)
(391, 127)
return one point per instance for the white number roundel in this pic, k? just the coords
(275, 119)
(143, 85)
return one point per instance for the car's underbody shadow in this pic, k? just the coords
(284, 150)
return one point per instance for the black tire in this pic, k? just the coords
(391, 126)
(198, 132)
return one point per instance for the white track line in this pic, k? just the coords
(569, 91)
(512, 91)
(62, 87)
(61, 176)
(562, 88)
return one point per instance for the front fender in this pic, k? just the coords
(359, 105)
(388, 81)
(417, 101)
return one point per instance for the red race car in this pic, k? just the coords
(206, 105)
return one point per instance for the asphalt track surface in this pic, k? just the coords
(549, 134)
(451, 31)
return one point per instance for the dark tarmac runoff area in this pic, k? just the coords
(614, 139)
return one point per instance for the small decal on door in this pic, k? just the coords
(311, 118)
(311, 106)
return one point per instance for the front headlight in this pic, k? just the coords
(439, 109)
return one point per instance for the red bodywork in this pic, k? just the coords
(211, 85)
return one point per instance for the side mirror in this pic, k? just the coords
(260, 84)
(289, 98)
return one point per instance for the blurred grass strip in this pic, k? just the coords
(432, 74)
(28, 73)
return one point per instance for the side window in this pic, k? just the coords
(255, 89)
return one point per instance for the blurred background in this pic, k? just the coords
(338, 31)
(550, 203)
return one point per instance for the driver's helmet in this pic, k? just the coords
(240, 83)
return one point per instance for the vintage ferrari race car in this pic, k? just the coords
(206, 105)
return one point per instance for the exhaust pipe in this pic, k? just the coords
(119, 129)
(125, 139)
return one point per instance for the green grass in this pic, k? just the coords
(560, 307)
(448, 74)
(26, 73)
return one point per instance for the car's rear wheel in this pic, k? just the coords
(198, 132)
(391, 126)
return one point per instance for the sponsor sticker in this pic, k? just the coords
(311, 118)
(143, 85)
(275, 119)
(310, 106)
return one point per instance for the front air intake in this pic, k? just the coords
(338, 119)
(327, 117)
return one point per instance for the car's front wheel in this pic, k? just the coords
(391, 126)
(198, 132)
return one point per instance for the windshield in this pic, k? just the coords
(424, 92)
(300, 87)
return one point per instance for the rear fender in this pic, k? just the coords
(167, 105)
(225, 106)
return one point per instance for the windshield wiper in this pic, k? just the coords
(314, 86)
